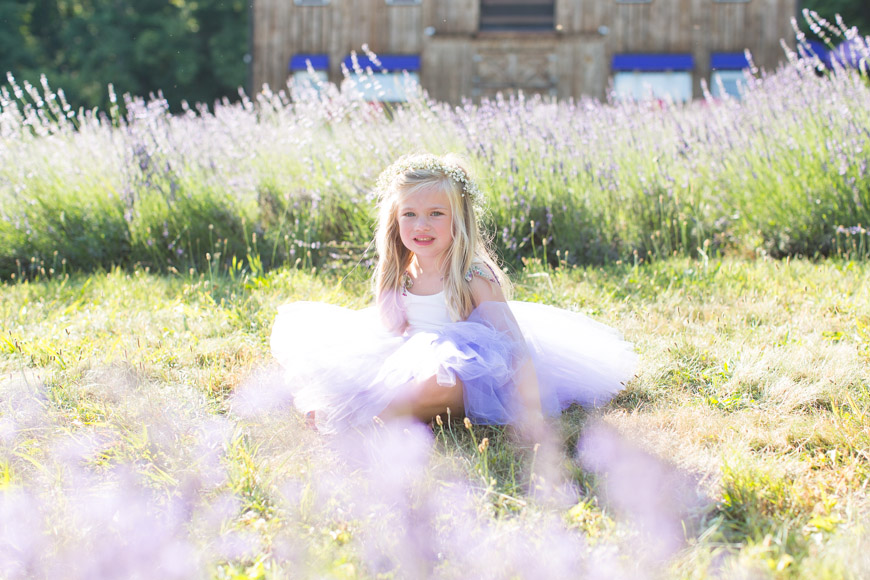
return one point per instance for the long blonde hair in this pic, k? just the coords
(408, 175)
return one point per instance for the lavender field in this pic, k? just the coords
(145, 431)
(782, 172)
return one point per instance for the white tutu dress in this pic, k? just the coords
(344, 365)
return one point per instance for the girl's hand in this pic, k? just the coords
(526, 379)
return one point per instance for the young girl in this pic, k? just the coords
(442, 337)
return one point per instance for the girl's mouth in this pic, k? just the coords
(424, 241)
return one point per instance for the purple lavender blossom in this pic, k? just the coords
(654, 495)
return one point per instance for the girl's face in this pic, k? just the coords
(426, 223)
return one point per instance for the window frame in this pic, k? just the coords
(393, 75)
(483, 26)
(301, 78)
(731, 67)
(392, 86)
(728, 75)
(685, 84)
(304, 80)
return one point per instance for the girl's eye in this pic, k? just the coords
(437, 213)
(408, 214)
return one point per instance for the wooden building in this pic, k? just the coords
(563, 48)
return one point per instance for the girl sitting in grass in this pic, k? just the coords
(442, 339)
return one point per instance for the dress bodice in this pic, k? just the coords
(425, 313)
(429, 313)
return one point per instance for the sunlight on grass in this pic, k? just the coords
(117, 395)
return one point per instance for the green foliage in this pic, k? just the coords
(60, 228)
(187, 50)
(179, 229)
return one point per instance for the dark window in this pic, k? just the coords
(517, 15)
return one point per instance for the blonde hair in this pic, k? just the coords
(408, 175)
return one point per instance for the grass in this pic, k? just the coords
(121, 436)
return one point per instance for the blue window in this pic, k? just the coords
(304, 79)
(318, 62)
(393, 76)
(652, 76)
(727, 76)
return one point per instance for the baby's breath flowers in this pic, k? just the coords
(447, 165)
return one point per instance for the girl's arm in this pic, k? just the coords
(483, 291)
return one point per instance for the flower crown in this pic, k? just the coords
(427, 162)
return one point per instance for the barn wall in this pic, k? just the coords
(572, 60)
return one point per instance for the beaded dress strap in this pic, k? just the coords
(406, 283)
(475, 269)
(487, 274)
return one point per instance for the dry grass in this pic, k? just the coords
(745, 430)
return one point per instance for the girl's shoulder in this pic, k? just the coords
(482, 270)
(484, 284)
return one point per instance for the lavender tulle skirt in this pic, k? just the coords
(342, 363)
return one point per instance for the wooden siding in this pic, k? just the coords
(446, 68)
(502, 64)
(582, 67)
(452, 17)
(282, 29)
(571, 60)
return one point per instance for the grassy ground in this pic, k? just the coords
(739, 450)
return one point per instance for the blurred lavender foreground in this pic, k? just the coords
(272, 180)
(143, 493)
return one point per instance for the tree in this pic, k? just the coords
(189, 50)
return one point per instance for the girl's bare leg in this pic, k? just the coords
(426, 399)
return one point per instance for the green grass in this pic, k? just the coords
(752, 385)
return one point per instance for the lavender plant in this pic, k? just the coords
(287, 180)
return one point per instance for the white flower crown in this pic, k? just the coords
(427, 162)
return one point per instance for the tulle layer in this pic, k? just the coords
(342, 363)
